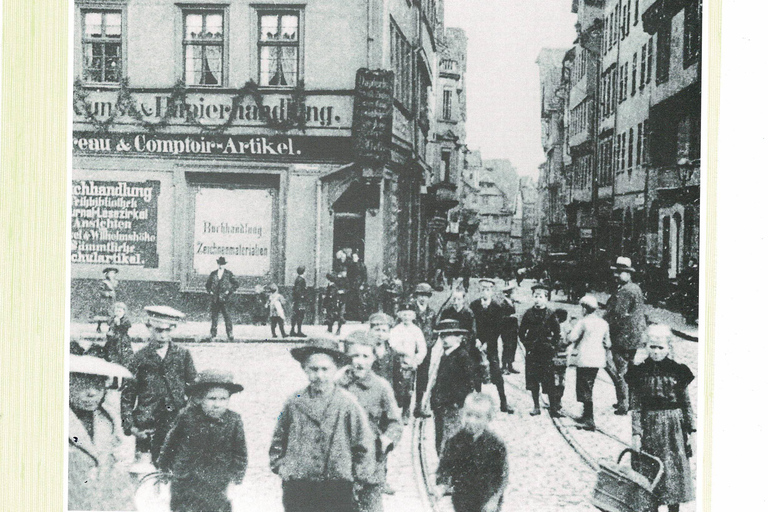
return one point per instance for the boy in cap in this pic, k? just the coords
(276, 306)
(323, 445)
(539, 333)
(377, 398)
(334, 303)
(221, 285)
(205, 451)
(380, 328)
(474, 462)
(410, 349)
(163, 370)
(425, 319)
(299, 303)
(107, 296)
(508, 330)
(456, 377)
(488, 318)
(95, 481)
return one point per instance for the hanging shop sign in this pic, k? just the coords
(372, 119)
(235, 224)
(250, 147)
(115, 223)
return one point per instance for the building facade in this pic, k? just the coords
(214, 128)
(632, 128)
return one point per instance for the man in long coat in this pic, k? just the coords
(163, 370)
(625, 314)
(425, 319)
(220, 286)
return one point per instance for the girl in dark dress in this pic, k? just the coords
(662, 417)
(118, 347)
(205, 450)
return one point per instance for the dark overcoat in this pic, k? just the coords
(625, 314)
(221, 289)
(204, 455)
(457, 377)
(158, 387)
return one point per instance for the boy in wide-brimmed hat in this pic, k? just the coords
(205, 451)
(410, 348)
(539, 334)
(323, 445)
(96, 482)
(376, 396)
(456, 377)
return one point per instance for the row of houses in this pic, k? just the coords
(274, 134)
(621, 123)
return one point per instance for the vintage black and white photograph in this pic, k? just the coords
(385, 255)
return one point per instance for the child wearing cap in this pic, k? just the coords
(118, 347)
(380, 328)
(474, 461)
(205, 451)
(323, 445)
(539, 333)
(276, 306)
(151, 401)
(96, 482)
(407, 341)
(377, 398)
(559, 364)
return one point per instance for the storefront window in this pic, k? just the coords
(102, 46)
(278, 49)
(204, 48)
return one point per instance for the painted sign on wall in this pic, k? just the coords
(372, 119)
(235, 224)
(115, 223)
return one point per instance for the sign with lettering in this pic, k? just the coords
(252, 147)
(372, 120)
(115, 222)
(212, 109)
(236, 224)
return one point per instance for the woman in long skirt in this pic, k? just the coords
(662, 418)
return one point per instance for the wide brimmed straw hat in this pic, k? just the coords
(214, 379)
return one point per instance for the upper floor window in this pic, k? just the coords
(278, 49)
(692, 34)
(400, 57)
(102, 46)
(203, 47)
(447, 103)
(663, 52)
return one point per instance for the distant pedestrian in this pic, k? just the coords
(380, 328)
(358, 278)
(323, 446)
(425, 319)
(118, 346)
(488, 319)
(458, 309)
(376, 396)
(96, 481)
(163, 370)
(205, 451)
(662, 417)
(509, 325)
(299, 303)
(407, 341)
(456, 377)
(106, 298)
(625, 314)
(220, 286)
(474, 461)
(276, 306)
(559, 365)
(539, 334)
(334, 304)
(591, 342)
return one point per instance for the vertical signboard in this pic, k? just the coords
(115, 223)
(235, 224)
(372, 117)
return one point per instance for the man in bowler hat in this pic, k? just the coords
(220, 286)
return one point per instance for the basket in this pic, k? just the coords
(621, 489)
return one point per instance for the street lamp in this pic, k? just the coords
(684, 170)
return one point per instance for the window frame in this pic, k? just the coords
(102, 8)
(279, 10)
(447, 104)
(205, 9)
(634, 74)
(692, 34)
(643, 61)
(402, 84)
(663, 52)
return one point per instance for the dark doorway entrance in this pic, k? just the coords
(349, 232)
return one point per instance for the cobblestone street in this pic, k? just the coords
(546, 472)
